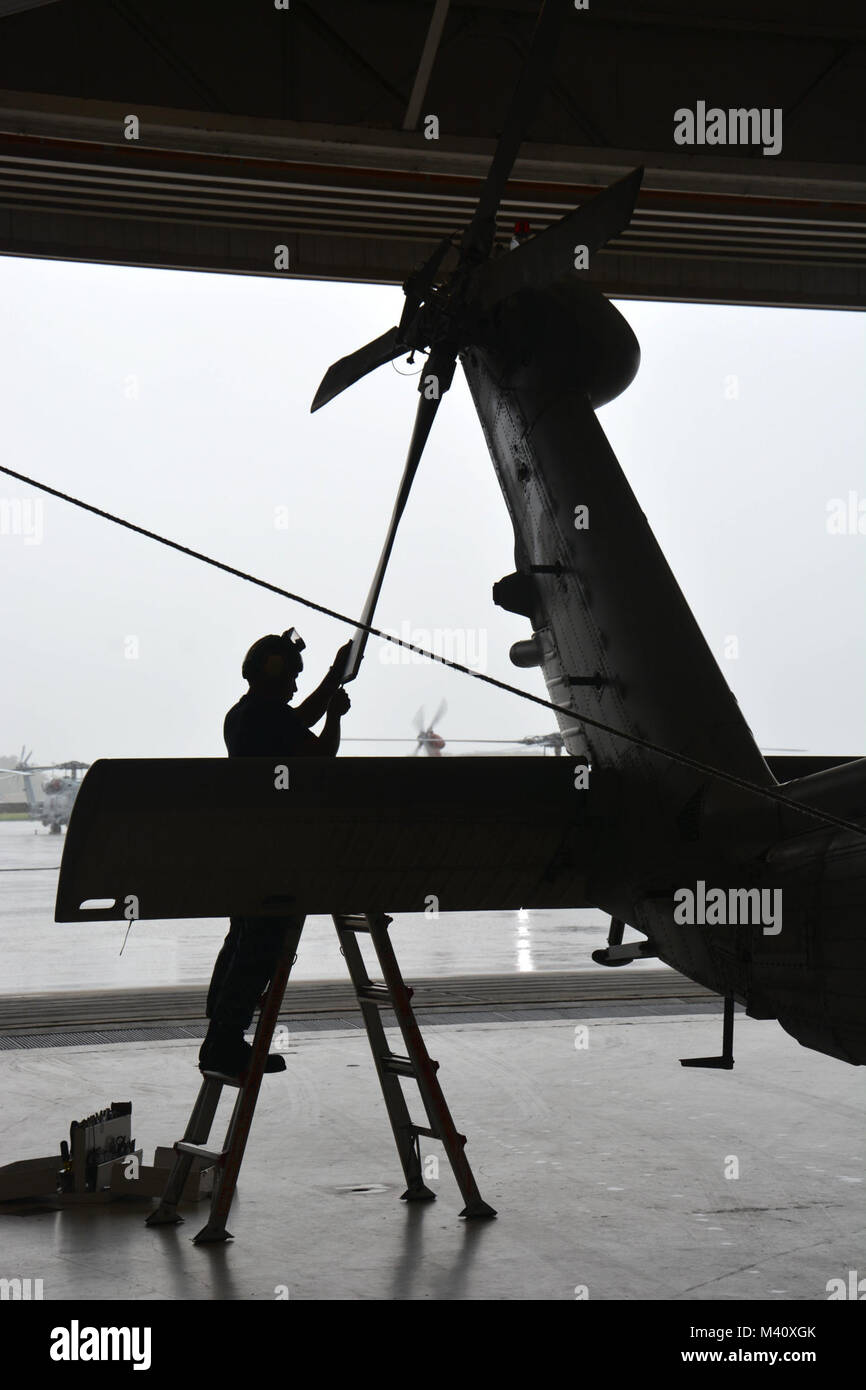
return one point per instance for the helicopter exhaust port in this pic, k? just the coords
(527, 653)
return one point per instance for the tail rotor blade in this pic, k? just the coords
(478, 237)
(424, 418)
(350, 369)
(441, 711)
(549, 256)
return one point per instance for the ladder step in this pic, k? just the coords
(353, 921)
(398, 1066)
(221, 1078)
(375, 994)
(434, 1134)
(199, 1151)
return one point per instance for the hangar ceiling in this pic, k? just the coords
(304, 126)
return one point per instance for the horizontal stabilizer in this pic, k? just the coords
(549, 257)
(218, 837)
(787, 767)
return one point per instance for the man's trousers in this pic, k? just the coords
(244, 967)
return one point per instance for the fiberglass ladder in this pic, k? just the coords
(390, 1067)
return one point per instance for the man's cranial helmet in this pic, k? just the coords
(273, 657)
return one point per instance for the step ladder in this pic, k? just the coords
(418, 1064)
(390, 1067)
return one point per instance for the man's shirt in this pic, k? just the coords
(259, 727)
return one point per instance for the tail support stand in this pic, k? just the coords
(726, 1061)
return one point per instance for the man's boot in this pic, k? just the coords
(226, 1050)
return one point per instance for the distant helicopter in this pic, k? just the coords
(432, 743)
(59, 793)
(429, 741)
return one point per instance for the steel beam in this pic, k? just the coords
(425, 66)
(199, 191)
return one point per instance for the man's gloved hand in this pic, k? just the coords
(335, 675)
(339, 704)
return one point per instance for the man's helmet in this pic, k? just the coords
(273, 657)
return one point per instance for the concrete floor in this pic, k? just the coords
(607, 1166)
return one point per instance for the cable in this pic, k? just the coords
(731, 778)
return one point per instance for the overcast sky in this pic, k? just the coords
(181, 401)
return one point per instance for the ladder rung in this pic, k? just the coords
(399, 1066)
(435, 1134)
(375, 994)
(199, 1151)
(353, 921)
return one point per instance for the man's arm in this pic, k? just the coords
(329, 739)
(310, 711)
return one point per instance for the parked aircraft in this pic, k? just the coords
(54, 807)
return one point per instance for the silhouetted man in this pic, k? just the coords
(263, 725)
